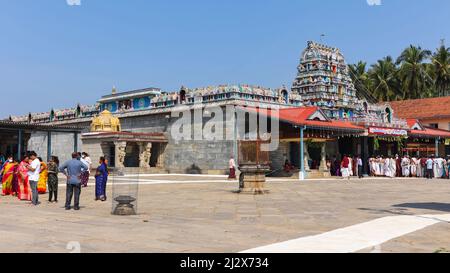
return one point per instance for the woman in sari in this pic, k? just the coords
(7, 177)
(24, 185)
(43, 177)
(101, 178)
(15, 181)
(53, 168)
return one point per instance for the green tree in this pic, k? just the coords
(360, 77)
(441, 70)
(383, 77)
(415, 80)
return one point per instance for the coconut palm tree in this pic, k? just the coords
(384, 81)
(413, 72)
(360, 78)
(441, 70)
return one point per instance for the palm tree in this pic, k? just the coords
(383, 76)
(413, 72)
(360, 78)
(441, 70)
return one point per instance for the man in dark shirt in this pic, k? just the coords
(73, 170)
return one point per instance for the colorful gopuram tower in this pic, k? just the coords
(323, 80)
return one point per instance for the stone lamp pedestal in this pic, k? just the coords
(253, 179)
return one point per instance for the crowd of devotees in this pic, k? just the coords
(31, 177)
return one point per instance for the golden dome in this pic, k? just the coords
(105, 122)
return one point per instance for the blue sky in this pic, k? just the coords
(56, 55)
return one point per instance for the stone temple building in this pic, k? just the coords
(322, 114)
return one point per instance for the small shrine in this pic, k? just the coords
(105, 122)
(123, 149)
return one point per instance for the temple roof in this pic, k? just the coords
(131, 94)
(433, 108)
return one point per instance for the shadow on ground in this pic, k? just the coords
(428, 206)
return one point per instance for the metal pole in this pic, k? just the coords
(302, 154)
(75, 142)
(236, 152)
(437, 146)
(19, 145)
(49, 145)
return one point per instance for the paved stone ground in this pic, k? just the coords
(202, 216)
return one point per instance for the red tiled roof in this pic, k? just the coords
(428, 132)
(299, 116)
(422, 108)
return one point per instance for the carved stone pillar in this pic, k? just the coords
(145, 154)
(105, 149)
(161, 155)
(323, 162)
(121, 152)
(306, 157)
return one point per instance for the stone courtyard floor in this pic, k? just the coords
(179, 213)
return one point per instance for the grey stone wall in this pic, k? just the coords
(206, 157)
(38, 143)
(279, 156)
(62, 144)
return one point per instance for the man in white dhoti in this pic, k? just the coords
(390, 167)
(372, 166)
(345, 168)
(378, 169)
(385, 166)
(406, 166)
(439, 167)
(350, 166)
(419, 172)
(414, 166)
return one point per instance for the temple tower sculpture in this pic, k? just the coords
(323, 80)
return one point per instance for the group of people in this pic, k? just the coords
(31, 177)
(391, 166)
(406, 166)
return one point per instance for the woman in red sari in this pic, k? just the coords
(7, 178)
(24, 185)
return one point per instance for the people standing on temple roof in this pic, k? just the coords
(53, 170)
(345, 165)
(34, 169)
(73, 169)
(43, 177)
(232, 166)
(7, 176)
(430, 166)
(85, 175)
(101, 178)
(406, 166)
(24, 193)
